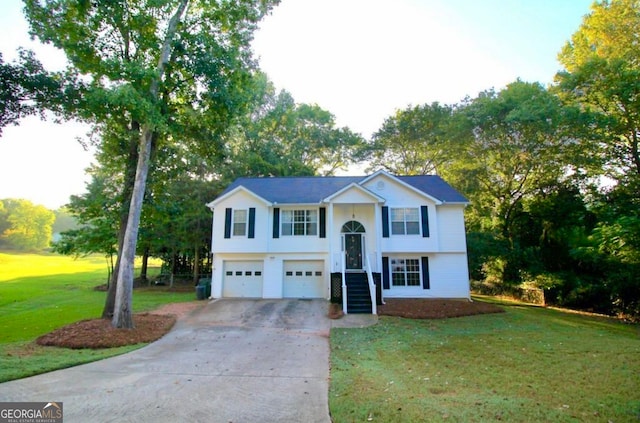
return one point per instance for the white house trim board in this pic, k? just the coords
(279, 255)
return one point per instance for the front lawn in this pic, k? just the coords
(43, 292)
(528, 364)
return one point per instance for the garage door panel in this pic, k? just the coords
(304, 279)
(242, 279)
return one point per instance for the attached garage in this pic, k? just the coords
(242, 279)
(304, 279)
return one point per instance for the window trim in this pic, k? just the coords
(235, 222)
(291, 218)
(404, 221)
(394, 262)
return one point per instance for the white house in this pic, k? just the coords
(368, 237)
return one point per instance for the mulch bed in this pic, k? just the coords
(98, 333)
(413, 308)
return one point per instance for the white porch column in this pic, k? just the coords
(330, 236)
(378, 236)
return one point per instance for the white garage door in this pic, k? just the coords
(304, 279)
(242, 279)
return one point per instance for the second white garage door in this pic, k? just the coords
(304, 279)
(242, 279)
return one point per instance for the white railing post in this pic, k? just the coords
(372, 287)
(344, 286)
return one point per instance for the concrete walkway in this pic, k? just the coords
(230, 361)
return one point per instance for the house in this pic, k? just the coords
(354, 239)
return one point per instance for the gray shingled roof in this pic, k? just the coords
(313, 189)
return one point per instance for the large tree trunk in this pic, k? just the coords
(127, 190)
(123, 313)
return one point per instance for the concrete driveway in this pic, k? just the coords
(230, 361)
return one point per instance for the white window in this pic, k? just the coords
(405, 272)
(299, 222)
(405, 221)
(239, 222)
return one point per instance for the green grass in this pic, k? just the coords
(528, 364)
(42, 292)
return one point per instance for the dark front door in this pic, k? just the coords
(353, 251)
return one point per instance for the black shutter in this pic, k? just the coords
(227, 222)
(425, 273)
(276, 222)
(323, 222)
(424, 211)
(385, 222)
(385, 272)
(252, 222)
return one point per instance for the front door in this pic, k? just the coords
(353, 251)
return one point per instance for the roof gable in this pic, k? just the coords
(231, 192)
(354, 193)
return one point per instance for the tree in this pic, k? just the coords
(519, 148)
(280, 137)
(26, 226)
(167, 67)
(416, 141)
(602, 75)
(26, 88)
(97, 212)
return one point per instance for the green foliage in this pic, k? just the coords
(97, 213)
(162, 73)
(279, 137)
(24, 225)
(527, 161)
(602, 75)
(177, 226)
(518, 148)
(416, 141)
(26, 88)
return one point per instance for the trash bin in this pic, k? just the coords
(203, 289)
(200, 292)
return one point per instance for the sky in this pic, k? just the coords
(359, 59)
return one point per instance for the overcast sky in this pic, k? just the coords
(359, 59)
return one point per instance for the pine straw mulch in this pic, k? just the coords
(98, 333)
(419, 308)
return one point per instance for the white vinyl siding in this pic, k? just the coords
(405, 221)
(299, 222)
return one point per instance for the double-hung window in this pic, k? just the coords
(405, 221)
(299, 222)
(405, 272)
(239, 222)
